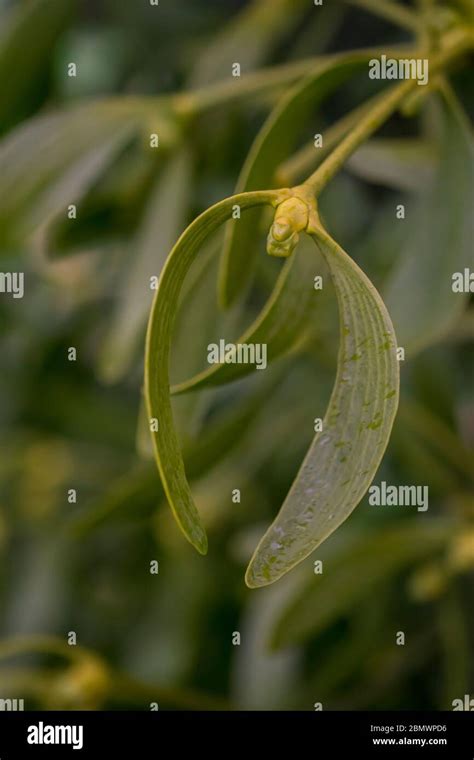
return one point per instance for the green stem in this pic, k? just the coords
(386, 104)
(397, 14)
(297, 166)
(202, 99)
(195, 102)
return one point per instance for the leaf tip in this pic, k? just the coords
(254, 579)
(200, 541)
(250, 581)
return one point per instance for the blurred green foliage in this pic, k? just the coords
(85, 566)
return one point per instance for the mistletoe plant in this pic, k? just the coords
(346, 452)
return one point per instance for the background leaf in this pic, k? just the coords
(406, 164)
(353, 574)
(163, 221)
(28, 35)
(247, 39)
(66, 151)
(440, 242)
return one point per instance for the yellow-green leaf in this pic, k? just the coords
(344, 457)
(158, 343)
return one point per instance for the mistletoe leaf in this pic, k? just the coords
(158, 343)
(343, 458)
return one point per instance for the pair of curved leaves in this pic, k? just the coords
(343, 458)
